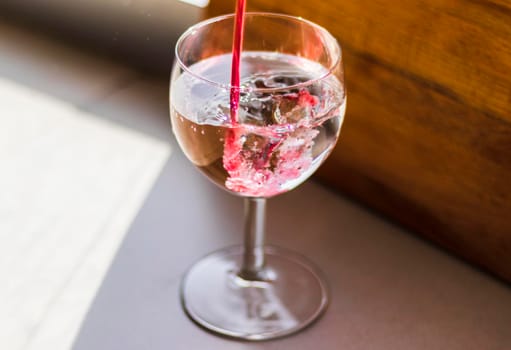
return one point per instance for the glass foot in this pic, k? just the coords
(288, 296)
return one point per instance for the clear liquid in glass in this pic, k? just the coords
(281, 135)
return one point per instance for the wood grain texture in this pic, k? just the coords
(427, 136)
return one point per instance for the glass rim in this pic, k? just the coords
(327, 73)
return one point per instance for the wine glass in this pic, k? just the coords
(291, 107)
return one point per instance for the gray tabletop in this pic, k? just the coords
(389, 289)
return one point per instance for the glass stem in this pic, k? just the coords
(253, 255)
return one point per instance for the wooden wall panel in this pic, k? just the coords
(427, 136)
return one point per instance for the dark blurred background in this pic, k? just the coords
(141, 33)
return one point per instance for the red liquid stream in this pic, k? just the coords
(232, 144)
(246, 169)
(237, 45)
